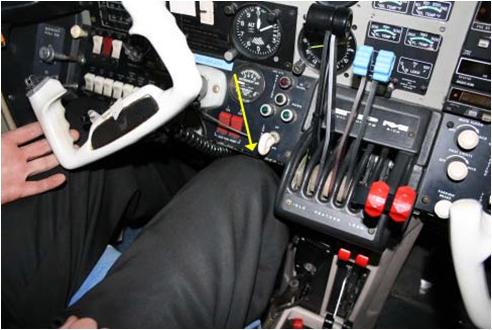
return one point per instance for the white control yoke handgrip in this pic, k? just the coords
(153, 21)
(470, 234)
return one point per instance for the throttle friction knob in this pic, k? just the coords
(334, 18)
(376, 199)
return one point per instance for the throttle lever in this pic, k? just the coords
(133, 117)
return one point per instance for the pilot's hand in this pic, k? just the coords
(73, 322)
(22, 158)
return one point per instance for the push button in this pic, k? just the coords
(236, 123)
(224, 118)
(402, 204)
(376, 199)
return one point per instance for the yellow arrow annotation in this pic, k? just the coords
(251, 146)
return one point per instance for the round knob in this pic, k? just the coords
(457, 170)
(441, 209)
(468, 139)
(77, 32)
(267, 141)
(231, 54)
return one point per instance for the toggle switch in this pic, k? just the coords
(107, 46)
(117, 46)
(376, 199)
(97, 42)
(117, 89)
(89, 81)
(98, 84)
(108, 87)
(127, 90)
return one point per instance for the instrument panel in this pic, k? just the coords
(442, 64)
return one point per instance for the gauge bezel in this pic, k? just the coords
(243, 50)
(313, 67)
(232, 85)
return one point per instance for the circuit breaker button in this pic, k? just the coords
(224, 118)
(236, 123)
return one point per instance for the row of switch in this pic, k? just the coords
(108, 87)
(107, 46)
(229, 120)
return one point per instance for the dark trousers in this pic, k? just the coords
(209, 258)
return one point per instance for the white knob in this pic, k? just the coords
(441, 209)
(77, 32)
(457, 170)
(267, 141)
(468, 140)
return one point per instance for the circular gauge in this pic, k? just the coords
(338, 3)
(251, 83)
(311, 50)
(256, 32)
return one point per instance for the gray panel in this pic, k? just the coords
(453, 32)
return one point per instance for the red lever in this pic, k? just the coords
(361, 261)
(297, 323)
(344, 255)
(376, 199)
(402, 204)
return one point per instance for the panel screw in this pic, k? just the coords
(288, 202)
(425, 200)
(370, 231)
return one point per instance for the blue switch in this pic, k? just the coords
(384, 65)
(362, 61)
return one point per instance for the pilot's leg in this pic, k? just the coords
(50, 242)
(208, 259)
